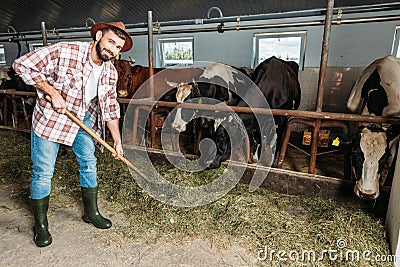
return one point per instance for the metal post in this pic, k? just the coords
(151, 73)
(321, 83)
(150, 50)
(44, 32)
(324, 55)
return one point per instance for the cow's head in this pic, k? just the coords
(124, 70)
(225, 131)
(215, 155)
(185, 91)
(369, 155)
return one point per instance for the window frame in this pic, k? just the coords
(265, 35)
(3, 63)
(396, 41)
(34, 46)
(162, 41)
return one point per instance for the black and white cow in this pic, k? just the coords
(376, 92)
(216, 82)
(278, 82)
(15, 82)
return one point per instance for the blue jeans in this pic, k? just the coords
(44, 155)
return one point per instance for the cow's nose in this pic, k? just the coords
(178, 128)
(214, 165)
(368, 195)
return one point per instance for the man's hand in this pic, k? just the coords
(113, 126)
(118, 148)
(58, 103)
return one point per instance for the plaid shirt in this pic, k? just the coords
(66, 67)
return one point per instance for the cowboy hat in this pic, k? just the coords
(117, 25)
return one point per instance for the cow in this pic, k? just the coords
(192, 90)
(130, 78)
(27, 102)
(216, 82)
(124, 69)
(157, 89)
(278, 82)
(15, 82)
(376, 92)
(214, 85)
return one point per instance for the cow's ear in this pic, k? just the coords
(196, 90)
(194, 83)
(392, 132)
(338, 139)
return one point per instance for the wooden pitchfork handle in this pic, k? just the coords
(101, 141)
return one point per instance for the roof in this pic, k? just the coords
(27, 15)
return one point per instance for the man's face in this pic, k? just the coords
(109, 46)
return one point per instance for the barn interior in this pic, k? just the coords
(330, 60)
(236, 45)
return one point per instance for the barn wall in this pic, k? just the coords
(352, 47)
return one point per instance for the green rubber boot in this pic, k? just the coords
(91, 211)
(42, 236)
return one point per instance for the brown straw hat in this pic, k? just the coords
(119, 25)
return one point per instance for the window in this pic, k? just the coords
(2, 56)
(395, 48)
(177, 51)
(34, 46)
(284, 45)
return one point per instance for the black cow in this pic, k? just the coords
(278, 82)
(376, 92)
(195, 90)
(16, 82)
(216, 82)
(215, 85)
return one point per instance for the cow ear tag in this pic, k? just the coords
(200, 101)
(336, 142)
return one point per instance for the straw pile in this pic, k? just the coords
(258, 220)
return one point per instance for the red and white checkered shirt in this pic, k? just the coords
(66, 67)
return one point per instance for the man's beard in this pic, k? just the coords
(102, 56)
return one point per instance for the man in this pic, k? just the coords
(79, 77)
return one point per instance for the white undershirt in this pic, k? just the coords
(92, 82)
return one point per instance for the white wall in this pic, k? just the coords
(351, 45)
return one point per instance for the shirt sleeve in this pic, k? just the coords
(34, 66)
(112, 108)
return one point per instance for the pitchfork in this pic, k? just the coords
(101, 141)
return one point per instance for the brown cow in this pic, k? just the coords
(130, 78)
(124, 69)
(140, 74)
